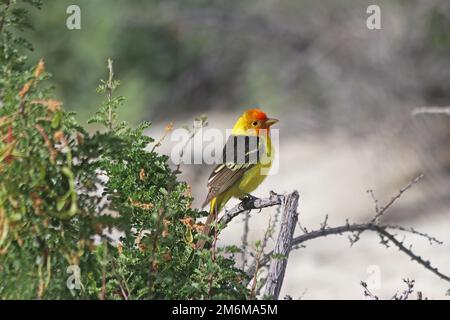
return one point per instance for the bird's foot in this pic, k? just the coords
(248, 199)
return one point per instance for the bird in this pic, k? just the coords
(251, 151)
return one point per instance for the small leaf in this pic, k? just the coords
(56, 121)
(188, 236)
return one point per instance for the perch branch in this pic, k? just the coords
(250, 204)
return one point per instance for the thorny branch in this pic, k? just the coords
(382, 210)
(407, 292)
(384, 230)
(403, 296)
(367, 292)
(380, 229)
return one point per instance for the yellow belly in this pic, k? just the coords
(249, 181)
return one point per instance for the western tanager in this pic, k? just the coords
(248, 157)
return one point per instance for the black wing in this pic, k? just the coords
(240, 153)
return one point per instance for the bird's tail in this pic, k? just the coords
(213, 211)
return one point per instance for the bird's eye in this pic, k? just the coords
(254, 123)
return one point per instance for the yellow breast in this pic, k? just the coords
(255, 175)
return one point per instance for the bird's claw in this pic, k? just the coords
(248, 197)
(248, 200)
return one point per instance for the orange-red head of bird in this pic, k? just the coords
(252, 121)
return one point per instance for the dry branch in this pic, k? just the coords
(282, 247)
(250, 204)
(285, 242)
(380, 229)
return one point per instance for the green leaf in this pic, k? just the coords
(188, 236)
(56, 121)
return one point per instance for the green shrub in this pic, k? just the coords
(103, 202)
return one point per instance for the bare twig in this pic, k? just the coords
(244, 245)
(431, 110)
(407, 292)
(383, 209)
(303, 294)
(380, 211)
(267, 235)
(324, 224)
(304, 230)
(259, 253)
(367, 292)
(375, 200)
(411, 230)
(413, 256)
(167, 129)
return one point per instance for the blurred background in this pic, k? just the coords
(344, 95)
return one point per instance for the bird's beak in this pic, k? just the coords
(271, 121)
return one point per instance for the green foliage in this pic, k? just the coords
(101, 202)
